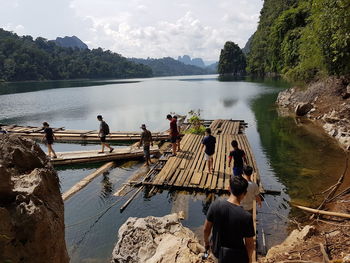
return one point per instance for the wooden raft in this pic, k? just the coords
(188, 169)
(93, 156)
(64, 135)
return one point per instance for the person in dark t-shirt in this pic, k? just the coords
(232, 228)
(209, 142)
(239, 159)
(103, 131)
(49, 139)
(174, 133)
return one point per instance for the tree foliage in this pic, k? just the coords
(22, 58)
(232, 60)
(302, 40)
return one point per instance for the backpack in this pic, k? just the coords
(105, 128)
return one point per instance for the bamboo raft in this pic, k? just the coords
(187, 170)
(75, 157)
(64, 135)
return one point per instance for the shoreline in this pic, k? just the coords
(324, 237)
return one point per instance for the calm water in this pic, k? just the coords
(292, 156)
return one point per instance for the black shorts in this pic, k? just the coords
(49, 141)
(146, 151)
(103, 139)
(174, 139)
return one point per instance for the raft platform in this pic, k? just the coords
(187, 170)
(131, 152)
(64, 135)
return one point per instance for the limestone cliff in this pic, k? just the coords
(31, 206)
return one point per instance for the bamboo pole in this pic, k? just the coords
(81, 184)
(322, 212)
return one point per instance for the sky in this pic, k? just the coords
(138, 28)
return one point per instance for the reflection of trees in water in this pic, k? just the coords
(229, 102)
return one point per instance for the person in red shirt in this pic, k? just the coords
(173, 132)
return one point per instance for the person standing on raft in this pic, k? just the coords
(103, 132)
(147, 141)
(209, 142)
(239, 159)
(174, 133)
(49, 139)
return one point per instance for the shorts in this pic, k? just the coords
(146, 151)
(237, 171)
(173, 139)
(49, 141)
(103, 138)
(207, 157)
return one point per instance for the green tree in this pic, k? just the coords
(232, 60)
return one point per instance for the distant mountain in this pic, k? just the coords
(213, 68)
(186, 59)
(73, 42)
(246, 48)
(169, 67)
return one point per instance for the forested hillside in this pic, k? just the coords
(301, 39)
(170, 67)
(23, 58)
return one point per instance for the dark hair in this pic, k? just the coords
(168, 116)
(238, 185)
(175, 117)
(248, 170)
(99, 117)
(45, 123)
(208, 130)
(234, 143)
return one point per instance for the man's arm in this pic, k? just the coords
(229, 160)
(207, 230)
(249, 244)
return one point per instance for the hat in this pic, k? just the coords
(143, 126)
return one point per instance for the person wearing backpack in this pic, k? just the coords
(102, 133)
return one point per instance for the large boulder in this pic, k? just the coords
(156, 240)
(31, 206)
(302, 109)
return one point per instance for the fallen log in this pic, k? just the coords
(322, 212)
(81, 184)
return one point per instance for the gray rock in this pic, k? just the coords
(156, 240)
(303, 108)
(31, 206)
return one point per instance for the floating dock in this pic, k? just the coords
(187, 170)
(131, 152)
(64, 135)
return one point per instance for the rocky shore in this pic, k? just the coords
(327, 102)
(31, 206)
(156, 240)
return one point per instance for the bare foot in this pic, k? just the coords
(111, 150)
(101, 152)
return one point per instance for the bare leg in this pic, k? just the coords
(174, 148)
(49, 146)
(103, 147)
(210, 165)
(178, 145)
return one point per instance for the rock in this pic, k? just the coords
(31, 206)
(155, 240)
(293, 239)
(303, 108)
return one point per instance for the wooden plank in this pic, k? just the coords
(195, 159)
(196, 178)
(81, 184)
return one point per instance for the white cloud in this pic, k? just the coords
(138, 28)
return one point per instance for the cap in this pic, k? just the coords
(143, 126)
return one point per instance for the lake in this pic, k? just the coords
(293, 156)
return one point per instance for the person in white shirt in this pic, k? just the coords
(252, 191)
